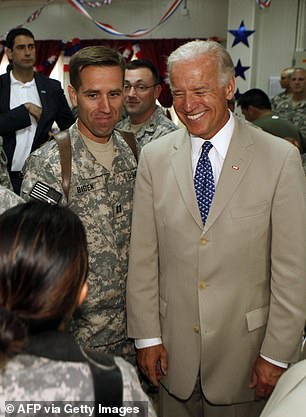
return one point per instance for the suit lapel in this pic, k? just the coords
(43, 95)
(181, 158)
(238, 158)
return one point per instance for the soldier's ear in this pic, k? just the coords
(72, 95)
(83, 293)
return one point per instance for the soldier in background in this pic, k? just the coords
(141, 90)
(4, 175)
(294, 107)
(284, 83)
(101, 190)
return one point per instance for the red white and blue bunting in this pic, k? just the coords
(263, 4)
(77, 4)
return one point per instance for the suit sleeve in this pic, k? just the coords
(64, 117)
(142, 283)
(288, 264)
(15, 119)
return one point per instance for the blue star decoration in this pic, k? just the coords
(241, 35)
(240, 70)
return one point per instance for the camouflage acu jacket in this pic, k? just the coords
(4, 176)
(64, 376)
(8, 199)
(295, 112)
(103, 201)
(156, 126)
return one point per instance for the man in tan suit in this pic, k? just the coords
(217, 309)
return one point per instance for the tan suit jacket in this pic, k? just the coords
(289, 396)
(219, 295)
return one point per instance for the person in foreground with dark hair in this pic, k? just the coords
(29, 104)
(141, 90)
(43, 269)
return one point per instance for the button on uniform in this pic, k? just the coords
(203, 241)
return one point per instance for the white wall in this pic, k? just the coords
(275, 40)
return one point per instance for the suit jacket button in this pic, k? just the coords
(203, 285)
(203, 241)
(196, 329)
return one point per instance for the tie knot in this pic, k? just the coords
(206, 147)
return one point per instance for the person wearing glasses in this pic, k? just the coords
(141, 90)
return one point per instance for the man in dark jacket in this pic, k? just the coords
(29, 104)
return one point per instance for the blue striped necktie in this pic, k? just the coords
(204, 181)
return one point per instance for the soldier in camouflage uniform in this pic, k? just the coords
(101, 190)
(8, 199)
(293, 108)
(277, 100)
(141, 90)
(4, 176)
(30, 368)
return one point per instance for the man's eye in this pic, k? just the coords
(92, 95)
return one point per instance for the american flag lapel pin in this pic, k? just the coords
(235, 167)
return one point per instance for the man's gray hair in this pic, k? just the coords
(194, 49)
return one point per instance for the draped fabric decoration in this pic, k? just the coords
(47, 53)
(69, 49)
(263, 4)
(77, 4)
(95, 4)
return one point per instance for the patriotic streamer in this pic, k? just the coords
(77, 4)
(32, 17)
(36, 13)
(94, 4)
(263, 4)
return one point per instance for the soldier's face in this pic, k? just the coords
(140, 93)
(298, 82)
(99, 100)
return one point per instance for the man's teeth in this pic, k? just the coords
(195, 116)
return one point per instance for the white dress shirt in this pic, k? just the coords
(22, 93)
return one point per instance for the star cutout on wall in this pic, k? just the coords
(240, 70)
(241, 35)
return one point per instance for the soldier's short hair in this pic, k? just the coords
(144, 63)
(96, 56)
